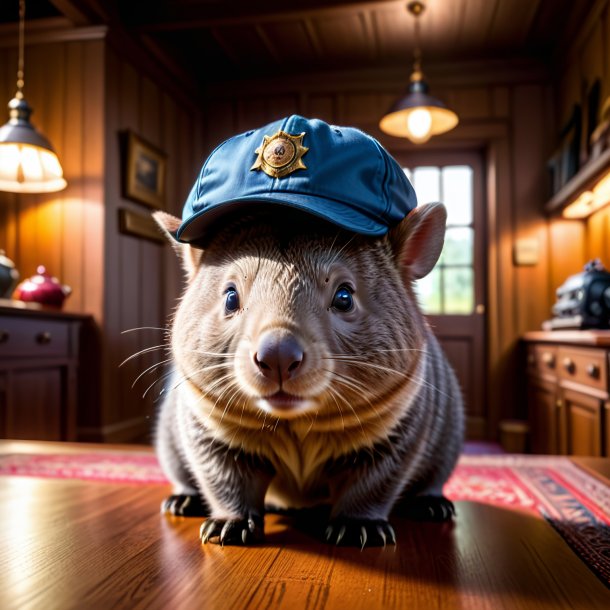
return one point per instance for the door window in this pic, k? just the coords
(449, 288)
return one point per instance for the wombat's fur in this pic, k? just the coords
(305, 374)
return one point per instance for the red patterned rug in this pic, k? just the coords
(575, 503)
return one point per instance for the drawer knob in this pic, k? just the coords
(568, 365)
(593, 370)
(548, 359)
(43, 338)
(4, 336)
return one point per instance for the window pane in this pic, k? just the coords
(428, 290)
(426, 182)
(457, 194)
(458, 290)
(458, 246)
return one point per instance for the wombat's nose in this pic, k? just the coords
(279, 356)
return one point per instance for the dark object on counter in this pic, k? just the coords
(583, 300)
(9, 276)
(42, 288)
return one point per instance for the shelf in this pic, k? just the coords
(583, 180)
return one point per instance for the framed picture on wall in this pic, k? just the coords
(144, 172)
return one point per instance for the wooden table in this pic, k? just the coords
(74, 544)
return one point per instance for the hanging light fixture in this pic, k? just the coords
(28, 163)
(417, 115)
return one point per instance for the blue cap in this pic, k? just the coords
(339, 174)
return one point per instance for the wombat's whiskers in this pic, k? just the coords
(130, 330)
(150, 369)
(146, 350)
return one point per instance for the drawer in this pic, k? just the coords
(585, 366)
(33, 338)
(542, 360)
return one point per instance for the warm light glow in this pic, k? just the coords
(581, 208)
(29, 169)
(399, 122)
(601, 192)
(419, 125)
(590, 201)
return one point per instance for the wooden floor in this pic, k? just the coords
(71, 544)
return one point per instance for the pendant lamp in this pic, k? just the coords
(28, 163)
(417, 115)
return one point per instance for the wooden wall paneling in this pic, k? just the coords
(148, 276)
(321, 106)
(93, 174)
(130, 263)
(220, 123)
(605, 90)
(530, 150)
(111, 323)
(251, 113)
(569, 94)
(360, 107)
(468, 103)
(50, 59)
(72, 159)
(279, 106)
(598, 237)
(172, 272)
(567, 254)
(500, 102)
(502, 278)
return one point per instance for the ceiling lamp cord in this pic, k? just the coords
(417, 115)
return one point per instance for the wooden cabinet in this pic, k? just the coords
(39, 363)
(568, 392)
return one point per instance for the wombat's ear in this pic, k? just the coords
(190, 257)
(418, 240)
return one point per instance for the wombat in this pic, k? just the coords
(305, 373)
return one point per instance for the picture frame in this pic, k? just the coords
(139, 225)
(144, 172)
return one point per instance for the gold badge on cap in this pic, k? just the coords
(280, 154)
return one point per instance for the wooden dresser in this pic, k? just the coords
(40, 354)
(568, 392)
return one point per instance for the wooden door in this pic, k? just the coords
(453, 294)
(582, 422)
(544, 414)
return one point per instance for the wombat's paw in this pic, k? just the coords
(233, 531)
(360, 532)
(428, 508)
(184, 505)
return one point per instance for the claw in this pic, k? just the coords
(329, 533)
(224, 531)
(204, 534)
(244, 536)
(363, 537)
(382, 535)
(340, 535)
(392, 534)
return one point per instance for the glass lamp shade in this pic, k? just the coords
(418, 116)
(28, 163)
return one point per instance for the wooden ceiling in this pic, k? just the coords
(216, 40)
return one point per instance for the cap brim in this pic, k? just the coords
(195, 227)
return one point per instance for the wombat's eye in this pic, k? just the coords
(343, 300)
(232, 300)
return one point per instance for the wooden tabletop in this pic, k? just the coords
(576, 337)
(76, 544)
